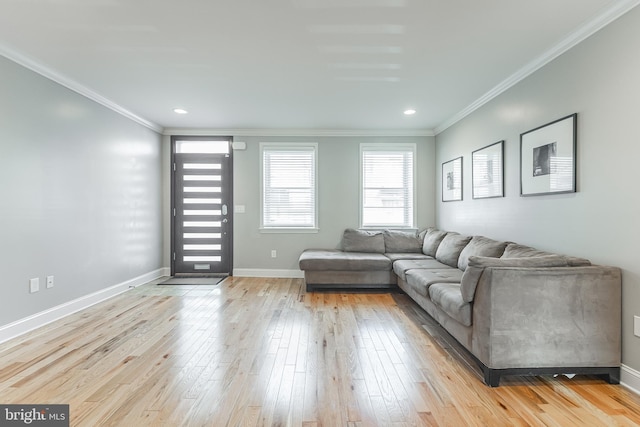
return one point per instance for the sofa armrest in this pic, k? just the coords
(548, 317)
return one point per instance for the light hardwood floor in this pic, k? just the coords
(254, 351)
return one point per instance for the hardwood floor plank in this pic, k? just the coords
(263, 352)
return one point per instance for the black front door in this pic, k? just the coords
(202, 199)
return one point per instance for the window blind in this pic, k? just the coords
(289, 186)
(387, 187)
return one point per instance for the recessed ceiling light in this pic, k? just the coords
(409, 112)
(180, 111)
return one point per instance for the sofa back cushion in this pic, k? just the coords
(514, 250)
(480, 246)
(401, 241)
(449, 249)
(432, 239)
(362, 241)
(477, 264)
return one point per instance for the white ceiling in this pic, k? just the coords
(294, 64)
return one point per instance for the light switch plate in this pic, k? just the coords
(34, 285)
(636, 326)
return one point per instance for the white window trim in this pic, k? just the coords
(386, 147)
(288, 145)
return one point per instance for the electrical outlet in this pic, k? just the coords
(49, 282)
(34, 285)
(274, 254)
(636, 326)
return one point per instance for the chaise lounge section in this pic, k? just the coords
(517, 310)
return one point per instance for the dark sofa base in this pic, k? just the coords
(315, 287)
(349, 280)
(492, 376)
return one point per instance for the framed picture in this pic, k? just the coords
(487, 171)
(548, 158)
(452, 180)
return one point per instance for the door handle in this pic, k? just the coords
(224, 209)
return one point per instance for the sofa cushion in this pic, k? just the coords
(432, 239)
(396, 241)
(551, 260)
(421, 280)
(480, 246)
(447, 297)
(400, 267)
(477, 265)
(449, 249)
(320, 259)
(514, 250)
(362, 241)
(406, 256)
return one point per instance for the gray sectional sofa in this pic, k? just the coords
(517, 310)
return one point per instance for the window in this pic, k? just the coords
(386, 173)
(288, 186)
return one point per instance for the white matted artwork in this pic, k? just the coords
(452, 180)
(548, 158)
(487, 171)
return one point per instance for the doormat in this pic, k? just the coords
(192, 281)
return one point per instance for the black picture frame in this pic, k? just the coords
(548, 158)
(487, 171)
(452, 180)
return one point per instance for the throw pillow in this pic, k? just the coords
(449, 249)
(480, 246)
(432, 239)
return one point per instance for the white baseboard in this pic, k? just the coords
(630, 378)
(257, 272)
(42, 318)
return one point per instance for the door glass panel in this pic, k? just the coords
(203, 212)
(202, 235)
(202, 178)
(202, 147)
(202, 223)
(202, 166)
(202, 247)
(202, 258)
(202, 189)
(201, 201)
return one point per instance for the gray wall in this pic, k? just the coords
(80, 195)
(600, 80)
(338, 192)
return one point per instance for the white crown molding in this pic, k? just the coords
(27, 324)
(53, 75)
(603, 19)
(298, 132)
